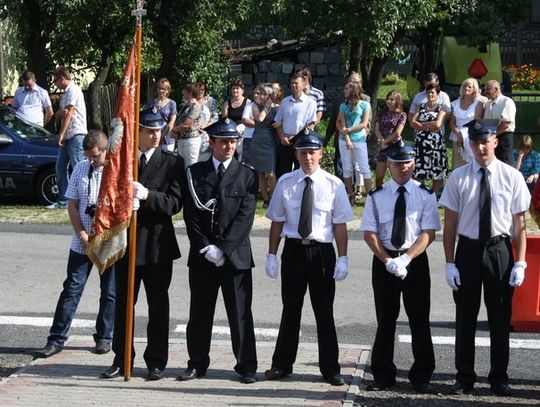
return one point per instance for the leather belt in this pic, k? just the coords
(305, 242)
(493, 241)
(396, 253)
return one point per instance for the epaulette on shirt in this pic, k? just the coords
(374, 190)
(429, 190)
(248, 166)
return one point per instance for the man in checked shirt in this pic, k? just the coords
(82, 192)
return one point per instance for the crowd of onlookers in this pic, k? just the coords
(263, 121)
(268, 127)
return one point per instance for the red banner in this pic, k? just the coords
(108, 237)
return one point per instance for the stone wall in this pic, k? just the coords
(327, 67)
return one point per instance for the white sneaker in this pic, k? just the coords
(56, 205)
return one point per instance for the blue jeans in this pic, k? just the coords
(70, 153)
(78, 270)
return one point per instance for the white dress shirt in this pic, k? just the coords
(296, 114)
(330, 204)
(30, 104)
(503, 109)
(509, 196)
(421, 212)
(73, 96)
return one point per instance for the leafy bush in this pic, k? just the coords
(391, 78)
(524, 77)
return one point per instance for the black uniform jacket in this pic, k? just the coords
(156, 240)
(231, 223)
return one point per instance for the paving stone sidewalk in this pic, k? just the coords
(70, 378)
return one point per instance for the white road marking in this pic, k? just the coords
(40, 321)
(87, 323)
(479, 341)
(225, 330)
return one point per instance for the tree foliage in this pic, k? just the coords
(190, 37)
(375, 28)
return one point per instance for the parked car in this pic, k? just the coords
(27, 159)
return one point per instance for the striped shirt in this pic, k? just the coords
(318, 96)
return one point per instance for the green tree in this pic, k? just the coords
(36, 20)
(88, 36)
(190, 37)
(374, 29)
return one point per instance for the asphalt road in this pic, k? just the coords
(33, 264)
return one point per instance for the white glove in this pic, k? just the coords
(452, 276)
(517, 275)
(342, 268)
(139, 191)
(271, 266)
(136, 204)
(401, 273)
(213, 254)
(398, 263)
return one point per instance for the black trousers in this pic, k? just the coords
(156, 279)
(237, 289)
(286, 160)
(503, 151)
(488, 267)
(387, 289)
(303, 267)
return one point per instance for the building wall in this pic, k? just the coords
(327, 67)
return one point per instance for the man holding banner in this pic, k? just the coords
(156, 197)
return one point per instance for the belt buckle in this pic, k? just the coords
(305, 242)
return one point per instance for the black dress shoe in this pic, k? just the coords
(190, 373)
(423, 388)
(378, 385)
(102, 347)
(249, 378)
(48, 350)
(112, 372)
(335, 379)
(155, 374)
(461, 388)
(501, 389)
(273, 374)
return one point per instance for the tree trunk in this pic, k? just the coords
(35, 37)
(355, 54)
(374, 68)
(161, 23)
(94, 95)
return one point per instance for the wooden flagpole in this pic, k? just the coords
(138, 13)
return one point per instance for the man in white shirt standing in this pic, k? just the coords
(296, 113)
(502, 109)
(309, 208)
(485, 203)
(72, 116)
(31, 102)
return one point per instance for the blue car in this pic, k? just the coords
(27, 159)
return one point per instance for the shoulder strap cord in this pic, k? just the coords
(209, 206)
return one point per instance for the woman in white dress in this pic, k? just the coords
(468, 107)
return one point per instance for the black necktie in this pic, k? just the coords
(220, 171)
(306, 209)
(484, 225)
(398, 227)
(142, 163)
